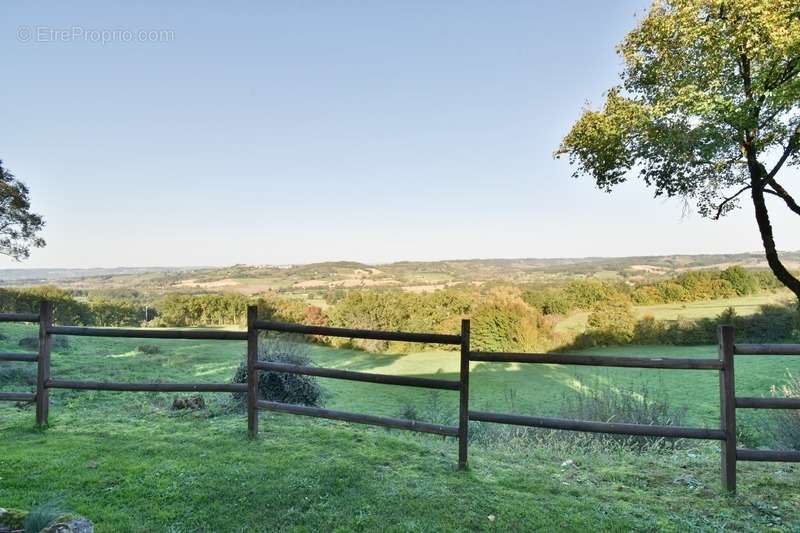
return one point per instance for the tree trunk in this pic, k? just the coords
(765, 228)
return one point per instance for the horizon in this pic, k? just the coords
(278, 134)
(757, 254)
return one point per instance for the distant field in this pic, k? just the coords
(745, 305)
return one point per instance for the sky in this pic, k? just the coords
(216, 133)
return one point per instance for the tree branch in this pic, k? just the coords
(727, 200)
(791, 146)
(782, 193)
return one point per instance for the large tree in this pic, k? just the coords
(19, 228)
(708, 109)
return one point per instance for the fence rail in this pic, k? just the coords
(146, 387)
(397, 423)
(386, 379)
(23, 357)
(588, 426)
(142, 333)
(400, 336)
(598, 360)
(724, 365)
(767, 349)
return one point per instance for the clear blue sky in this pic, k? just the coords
(286, 132)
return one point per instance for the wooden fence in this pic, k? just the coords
(724, 365)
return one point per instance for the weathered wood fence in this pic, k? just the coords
(724, 365)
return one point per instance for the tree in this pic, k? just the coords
(19, 228)
(708, 110)
(612, 322)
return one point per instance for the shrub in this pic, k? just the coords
(17, 374)
(277, 386)
(149, 349)
(784, 425)
(507, 324)
(612, 322)
(60, 344)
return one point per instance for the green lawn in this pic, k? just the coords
(131, 464)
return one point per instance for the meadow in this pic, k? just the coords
(744, 305)
(131, 463)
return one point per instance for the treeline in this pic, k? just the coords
(504, 318)
(174, 310)
(68, 310)
(614, 323)
(230, 309)
(501, 319)
(693, 286)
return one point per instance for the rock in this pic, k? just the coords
(192, 402)
(11, 520)
(71, 525)
(688, 480)
(568, 463)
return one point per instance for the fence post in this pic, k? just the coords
(463, 411)
(43, 363)
(727, 402)
(252, 372)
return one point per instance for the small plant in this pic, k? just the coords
(149, 349)
(42, 515)
(278, 386)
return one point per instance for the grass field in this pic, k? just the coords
(744, 305)
(131, 464)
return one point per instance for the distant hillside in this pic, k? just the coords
(408, 275)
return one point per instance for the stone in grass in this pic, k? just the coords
(70, 524)
(11, 520)
(192, 402)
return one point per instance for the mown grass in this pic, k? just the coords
(131, 464)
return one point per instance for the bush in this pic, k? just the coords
(149, 349)
(17, 374)
(612, 322)
(784, 425)
(503, 324)
(60, 344)
(277, 386)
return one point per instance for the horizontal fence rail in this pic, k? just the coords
(146, 387)
(19, 317)
(400, 336)
(781, 456)
(767, 403)
(150, 333)
(598, 360)
(396, 423)
(766, 349)
(17, 396)
(24, 357)
(386, 379)
(567, 424)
